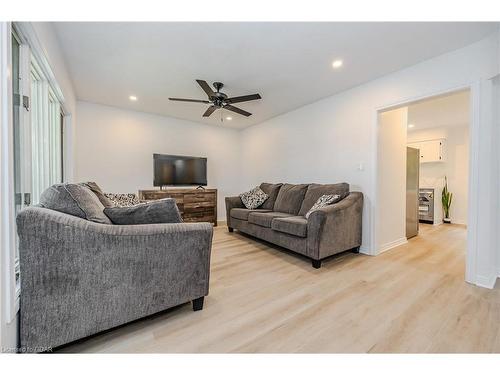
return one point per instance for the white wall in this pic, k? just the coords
(455, 167)
(115, 148)
(391, 188)
(327, 140)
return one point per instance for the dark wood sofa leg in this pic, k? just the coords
(230, 229)
(198, 304)
(316, 263)
(355, 250)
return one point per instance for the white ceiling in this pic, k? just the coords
(443, 111)
(289, 64)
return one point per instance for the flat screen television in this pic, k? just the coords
(172, 170)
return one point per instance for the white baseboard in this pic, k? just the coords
(485, 281)
(365, 250)
(392, 244)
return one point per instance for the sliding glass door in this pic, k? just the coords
(37, 131)
(21, 133)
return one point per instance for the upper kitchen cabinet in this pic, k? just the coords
(430, 151)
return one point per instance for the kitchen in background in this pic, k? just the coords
(439, 129)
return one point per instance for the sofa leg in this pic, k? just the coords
(230, 229)
(198, 304)
(355, 250)
(316, 263)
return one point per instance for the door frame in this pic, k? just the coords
(9, 303)
(473, 198)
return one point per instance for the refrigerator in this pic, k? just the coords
(412, 190)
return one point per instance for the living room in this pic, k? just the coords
(250, 158)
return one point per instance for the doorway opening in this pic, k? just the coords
(423, 151)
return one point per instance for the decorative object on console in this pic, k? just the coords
(446, 198)
(254, 198)
(123, 200)
(323, 201)
(194, 205)
(154, 212)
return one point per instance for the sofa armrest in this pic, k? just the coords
(335, 228)
(232, 202)
(98, 276)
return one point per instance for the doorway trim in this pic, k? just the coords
(473, 196)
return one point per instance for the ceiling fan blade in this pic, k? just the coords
(204, 85)
(244, 98)
(209, 111)
(189, 100)
(229, 107)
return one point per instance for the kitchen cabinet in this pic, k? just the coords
(430, 151)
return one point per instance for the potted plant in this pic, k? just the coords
(446, 198)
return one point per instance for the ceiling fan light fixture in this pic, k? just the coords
(219, 100)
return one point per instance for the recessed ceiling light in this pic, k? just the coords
(229, 118)
(411, 126)
(133, 98)
(337, 64)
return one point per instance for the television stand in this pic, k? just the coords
(195, 205)
(200, 187)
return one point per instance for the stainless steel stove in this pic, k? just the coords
(426, 205)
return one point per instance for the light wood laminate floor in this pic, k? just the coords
(410, 299)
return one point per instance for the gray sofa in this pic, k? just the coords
(281, 221)
(79, 277)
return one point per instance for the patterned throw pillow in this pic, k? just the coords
(253, 198)
(323, 201)
(123, 200)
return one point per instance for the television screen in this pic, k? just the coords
(179, 170)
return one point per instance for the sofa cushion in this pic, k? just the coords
(264, 219)
(76, 200)
(290, 197)
(96, 189)
(242, 213)
(254, 198)
(315, 191)
(154, 212)
(272, 191)
(295, 225)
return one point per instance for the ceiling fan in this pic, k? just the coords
(218, 99)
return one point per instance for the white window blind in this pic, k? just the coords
(46, 136)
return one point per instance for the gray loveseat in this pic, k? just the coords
(280, 220)
(80, 277)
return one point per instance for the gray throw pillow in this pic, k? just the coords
(323, 201)
(154, 212)
(106, 202)
(254, 198)
(76, 200)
